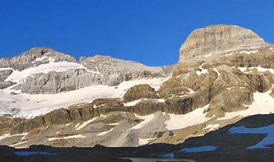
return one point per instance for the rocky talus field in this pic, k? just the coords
(215, 104)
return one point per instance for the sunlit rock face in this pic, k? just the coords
(218, 40)
(225, 73)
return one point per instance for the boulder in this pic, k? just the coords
(138, 92)
(148, 106)
(6, 84)
(4, 74)
(230, 100)
(171, 87)
(179, 105)
(60, 116)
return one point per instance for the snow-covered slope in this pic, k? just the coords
(42, 79)
(30, 105)
(20, 76)
(141, 105)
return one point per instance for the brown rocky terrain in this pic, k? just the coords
(224, 73)
(228, 147)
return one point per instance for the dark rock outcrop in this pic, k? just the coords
(138, 92)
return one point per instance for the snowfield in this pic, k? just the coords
(31, 105)
(20, 76)
(67, 137)
(259, 68)
(146, 120)
(263, 104)
(182, 121)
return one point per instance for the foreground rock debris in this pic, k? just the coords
(224, 74)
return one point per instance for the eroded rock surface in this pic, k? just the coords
(222, 73)
(217, 40)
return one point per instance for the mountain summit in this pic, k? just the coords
(217, 40)
(225, 73)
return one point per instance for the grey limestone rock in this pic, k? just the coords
(218, 39)
(4, 74)
(116, 71)
(56, 82)
(34, 57)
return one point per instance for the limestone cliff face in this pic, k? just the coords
(226, 64)
(56, 82)
(218, 40)
(97, 70)
(116, 71)
(222, 69)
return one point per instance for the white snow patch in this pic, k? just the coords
(201, 71)
(31, 105)
(191, 91)
(84, 124)
(216, 70)
(20, 76)
(199, 149)
(68, 124)
(17, 144)
(268, 130)
(249, 52)
(263, 104)
(259, 68)
(45, 57)
(2, 69)
(242, 69)
(132, 103)
(77, 125)
(161, 100)
(208, 55)
(113, 124)
(146, 119)
(182, 121)
(8, 135)
(104, 133)
(211, 127)
(67, 137)
(231, 53)
(145, 141)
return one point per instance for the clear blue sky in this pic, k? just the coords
(147, 31)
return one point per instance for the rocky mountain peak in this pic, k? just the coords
(40, 50)
(34, 57)
(145, 104)
(218, 40)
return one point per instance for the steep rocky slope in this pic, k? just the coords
(245, 141)
(225, 73)
(64, 81)
(50, 72)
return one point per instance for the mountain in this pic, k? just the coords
(224, 74)
(50, 72)
(64, 81)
